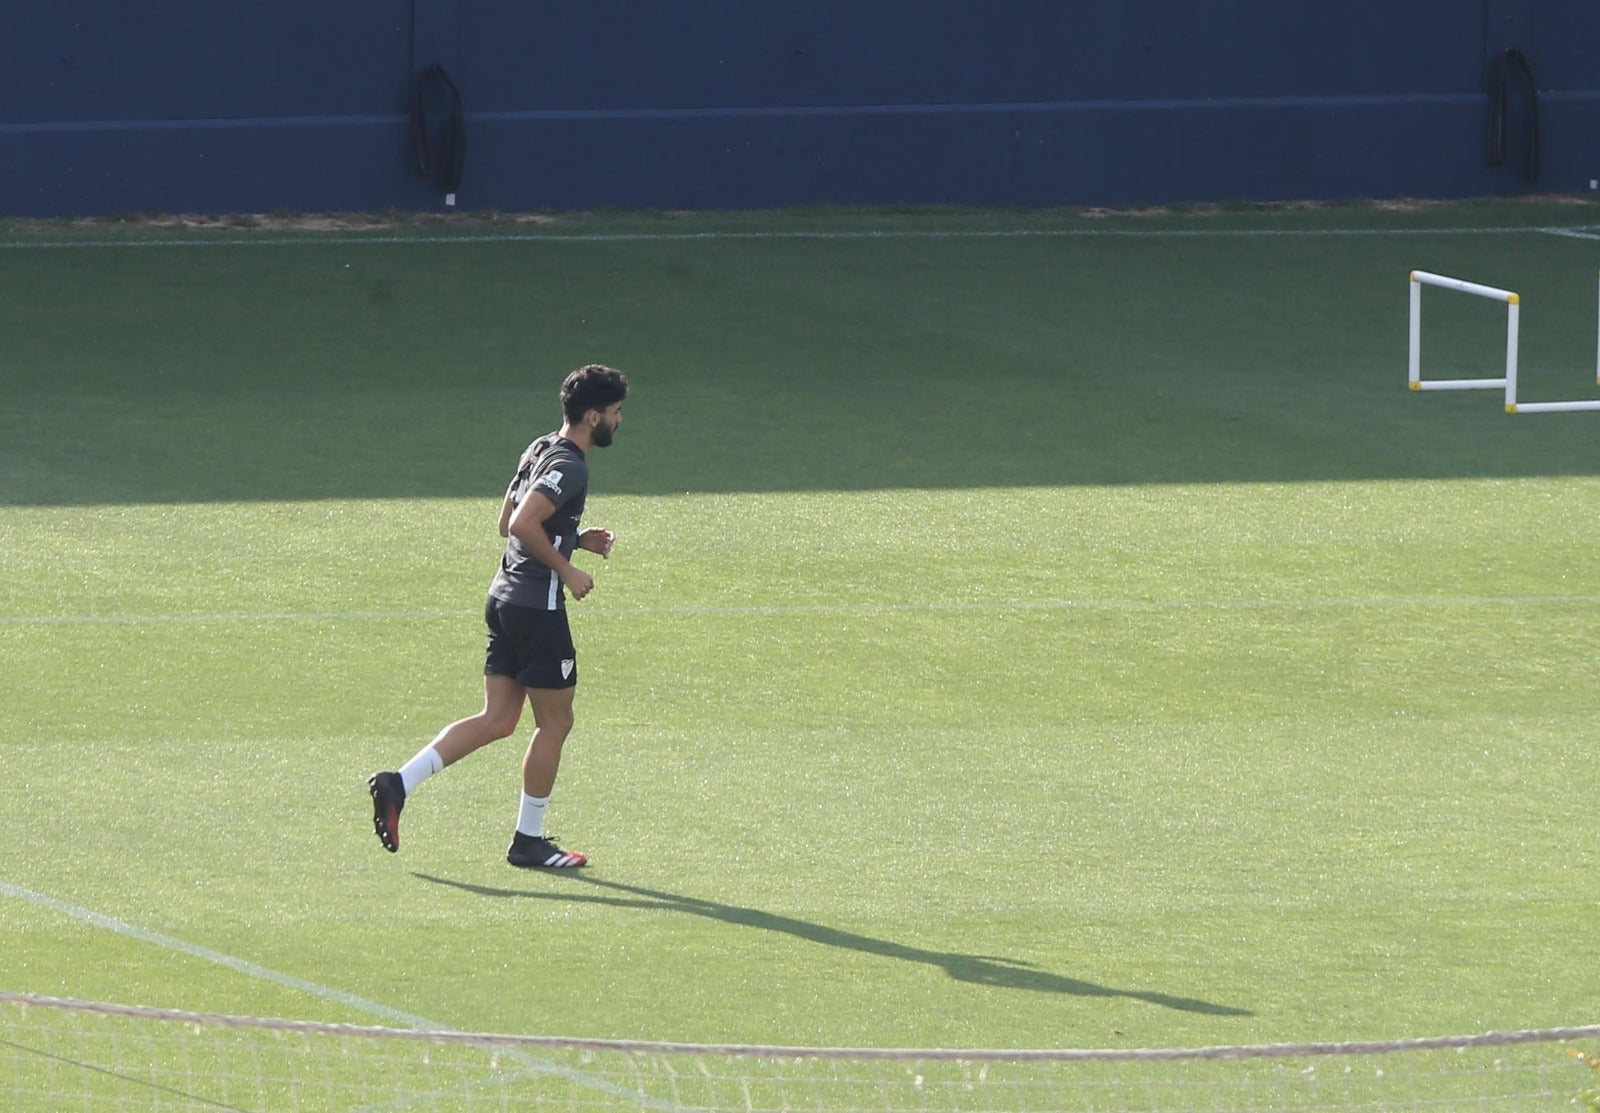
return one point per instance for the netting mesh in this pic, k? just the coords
(79, 1055)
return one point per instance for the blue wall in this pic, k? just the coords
(191, 105)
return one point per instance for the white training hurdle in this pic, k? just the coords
(1513, 304)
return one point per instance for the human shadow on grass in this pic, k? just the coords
(1004, 973)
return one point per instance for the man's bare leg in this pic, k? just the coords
(553, 716)
(502, 707)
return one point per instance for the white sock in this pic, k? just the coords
(530, 819)
(424, 765)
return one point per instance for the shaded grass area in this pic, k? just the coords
(372, 369)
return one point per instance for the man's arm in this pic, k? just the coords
(507, 508)
(526, 524)
(597, 540)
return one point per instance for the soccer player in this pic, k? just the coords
(530, 655)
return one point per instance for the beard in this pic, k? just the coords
(603, 435)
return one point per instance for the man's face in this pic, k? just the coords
(606, 428)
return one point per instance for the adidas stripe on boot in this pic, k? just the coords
(537, 852)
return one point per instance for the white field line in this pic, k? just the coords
(778, 610)
(289, 981)
(1572, 233)
(226, 616)
(193, 950)
(271, 239)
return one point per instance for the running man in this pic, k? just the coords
(530, 655)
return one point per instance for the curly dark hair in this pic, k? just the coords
(591, 387)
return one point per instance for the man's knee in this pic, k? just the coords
(558, 722)
(554, 717)
(501, 723)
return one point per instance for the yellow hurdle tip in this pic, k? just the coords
(1416, 386)
(1413, 276)
(1514, 299)
(1511, 407)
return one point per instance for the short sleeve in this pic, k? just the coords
(561, 480)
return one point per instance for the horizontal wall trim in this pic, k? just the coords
(1207, 104)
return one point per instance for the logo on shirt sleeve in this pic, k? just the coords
(551, 480)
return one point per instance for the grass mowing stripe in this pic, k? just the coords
(274, 240)
(290, 981)
(1010, 605)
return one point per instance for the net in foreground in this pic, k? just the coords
(57, 1054)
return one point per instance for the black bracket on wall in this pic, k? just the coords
(1503, 68)
(448, 174)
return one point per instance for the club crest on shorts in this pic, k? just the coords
(566, 668)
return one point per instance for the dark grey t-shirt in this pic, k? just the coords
(555, 467)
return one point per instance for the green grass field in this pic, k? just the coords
(1078, 638)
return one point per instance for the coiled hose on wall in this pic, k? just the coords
(1502, 69)
(455, 144)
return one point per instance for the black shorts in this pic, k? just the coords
(533, 647)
